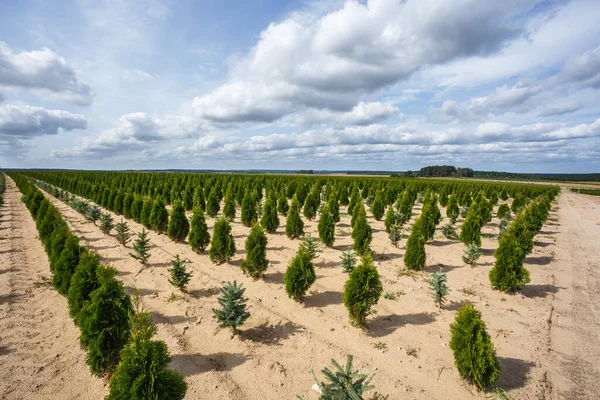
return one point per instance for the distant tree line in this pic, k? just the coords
(445, 171)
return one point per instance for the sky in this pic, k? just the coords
(509, 85)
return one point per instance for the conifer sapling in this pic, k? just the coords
(438, 286)
(122, 230)
(199, 237)
(141, 246)
(471, 254)
(222, 245)
(233, 307)
(300, 275)
(179, 226)
(362, 290)
(348, 261)
(106, 223)
(256, 262)
(180, 276)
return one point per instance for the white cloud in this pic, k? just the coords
(45, 72)
(137, 75)
(560, 108)
(26, 122)
(361, 114)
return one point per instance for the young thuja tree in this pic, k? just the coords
(282, 204)
(180, 276)
(348, 261)
(229, 207)
(233, 307)
(122, 230)
(438, 286)
(199, 236)
(83, 282)
(249, 211)
(378, 206)
(141, 246)
(270, 220)
(390, 219)
(474, 353)
(449, 232)
(66, 264)
(508, 274)
(311, 246)
(159, 217)
(503, 211)
(362, 235)
(326, 227)
(104, 323)
(311, 204)
(470, 232)
(145, 213)
(93, 214)
(471, 254)
(106, 223)
(294, 226)
(143, 371)
(300, 275)
(222, 245)
(256, 262)
(344, 383)
(212, 203)
(179, 226)
(362, 290)
(415, 257)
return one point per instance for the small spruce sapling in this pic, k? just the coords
(106, 223)
(180, 276)
(233, 307)
(122, 230)
(348, 261)
(471, 254)
(311, 246)
(396, 233)
(93, 214)
(449, 232)
(141, 246)
(438, 286)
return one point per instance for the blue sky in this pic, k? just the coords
(379, 84)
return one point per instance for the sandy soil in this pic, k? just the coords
(40, 357)
(282, 339)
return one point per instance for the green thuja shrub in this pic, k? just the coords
(229, 207)
(66, 264)
(282, 204)
(141, 246)
(233, 307)
(104, 323)
(344, 383)
(143, 371)
(470, 232)
(326, 227)
(471, 254)
(83, 282)
(159, 217)
(256, 262)
(508, 274)
(437, 284)
(199, 200)
(199, 237)
(362, 235)
(452, 210)
(390, 219)
(145, 213)
(57, 244)
(362, 290)
(300, 275)
(503, 211)
(136, 208)
(249, 211)
(122, 230)
(415, 257)
(106, 223)
(270, 220)
(294, 226)
(474, 353)
(212, 203)
(179, 226)
(127, 202)
(180, 276)
(378, 206)
(518, 203)
(311, 204)
(222, 245)
(348, 261)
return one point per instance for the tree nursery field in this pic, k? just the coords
(153, 285)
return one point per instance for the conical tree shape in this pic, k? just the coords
(141, 246)
(256, 262)
(136, 209)
(270, 220)
(362, 235)
(334, 208)
(57, 244)
(438, 286)
(362, 290)
(390, 219)
(69, 258)
(222, 245)
(127, 202)
(474, 353)
(122, 230)
(294, 226)
(229, 208)
(249, 212)
(106, 223)
(179, 225)
(470, 232)
(146, 213)
(344, 383)
(378, 206)
(199, 237)
(199, 200)
(508, 274)
(83, 282)
(327, 227)
(104, 323)
(282, 204)
(212, 204)
(143, 371)
(503, 211)
(415, 257)
(159, 217)
(180, 277)
(311, 204)
(233, 306)
(299, 276)
(93, 214)
(452, 210)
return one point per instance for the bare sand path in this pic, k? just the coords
(40, 357)
(576, 317)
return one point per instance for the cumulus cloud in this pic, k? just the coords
(26, 122)
(329, 61)
(560, 108)
(584, 69)
(361, 114)
(43, 71)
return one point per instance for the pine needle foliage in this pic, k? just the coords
(474, 353)
(437, 284)
(344, 383)
(256, 262)
(222, 245)
(141, 246)
(396, 233)
(122, 230)
(179, 226)
(106, 223)
(180, 276)
(233, 307)
(199, 237)
(362, 290)
(348, 261)
(311, 246)
(300, 275)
